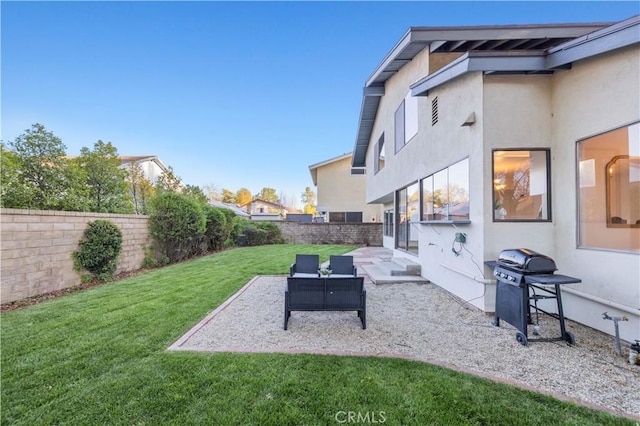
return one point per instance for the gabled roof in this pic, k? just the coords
(262, 201)
(140, 158)
(313, 169)
(515, 39)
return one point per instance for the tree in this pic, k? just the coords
(212, 192)
(106, 183)
(195, 193)
(140, 188)
(243, 196)
(268, 194)
(168, 182)
(308, 199)
(41, 162)
(14, 193)
(228, 196)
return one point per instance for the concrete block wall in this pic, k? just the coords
(331, 233)
(36, 247)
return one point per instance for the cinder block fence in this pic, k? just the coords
(36, 247)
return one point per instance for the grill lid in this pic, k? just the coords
(527, 261)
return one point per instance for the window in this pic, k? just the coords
(407, 215)
(349, 217)
(406, 121)
(521, 185)
(388, 223)
(358, 171)
(609, 190)
(378, 162)
(445, 194)
(354, 217)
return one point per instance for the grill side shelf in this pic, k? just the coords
(550, 279)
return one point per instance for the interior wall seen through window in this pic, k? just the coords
(609, 190)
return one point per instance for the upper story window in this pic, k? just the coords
(358, 171)
(378, 162)
(406, 121)
(445, 194)
(521, 185)
(609, 190)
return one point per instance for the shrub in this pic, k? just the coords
(178, 226)
(217, 229)
(100, 250)
(248, 233)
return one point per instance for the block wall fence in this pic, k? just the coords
(332, 233)
(36, 247)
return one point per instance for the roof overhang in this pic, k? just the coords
(507, 38)
(486, 62)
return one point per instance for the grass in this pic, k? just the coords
(99, 357)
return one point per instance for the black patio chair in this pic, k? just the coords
(307, 265)
(342, 265)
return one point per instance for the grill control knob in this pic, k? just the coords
(510, 278)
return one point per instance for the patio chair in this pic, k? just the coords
(342, 266)
(306, 266)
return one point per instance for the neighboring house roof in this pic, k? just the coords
(313, 169)
(279, 206)
(525, 42)
(141, 158)
(234, 208)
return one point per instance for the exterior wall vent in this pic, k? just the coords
(434, 111)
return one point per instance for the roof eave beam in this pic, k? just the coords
(593, 45)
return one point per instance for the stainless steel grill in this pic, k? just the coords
(525, 277)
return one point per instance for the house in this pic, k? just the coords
(341, 191)
(264, 210)
(515, 136)
(152, 167)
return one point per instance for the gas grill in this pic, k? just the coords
(525, 277)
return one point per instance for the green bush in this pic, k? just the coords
(217, 229)
(178, 225)
(248, 233)
(100, 250)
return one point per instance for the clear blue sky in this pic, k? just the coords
(232, 94)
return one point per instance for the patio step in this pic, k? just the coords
(405, 266)
(396, 271)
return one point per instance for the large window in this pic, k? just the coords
(407, 217)
(609, 190)
(406, 121)
(445, 194)
(521, 185)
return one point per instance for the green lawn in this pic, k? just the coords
(99, 357)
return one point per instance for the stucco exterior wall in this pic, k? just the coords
(595, 96)
(517, 114)
(395, 174)
(36, 248)
(340, 191)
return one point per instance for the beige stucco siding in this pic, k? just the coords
(595, 96)
(340, 191)
(517, 114)
(395, 173)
